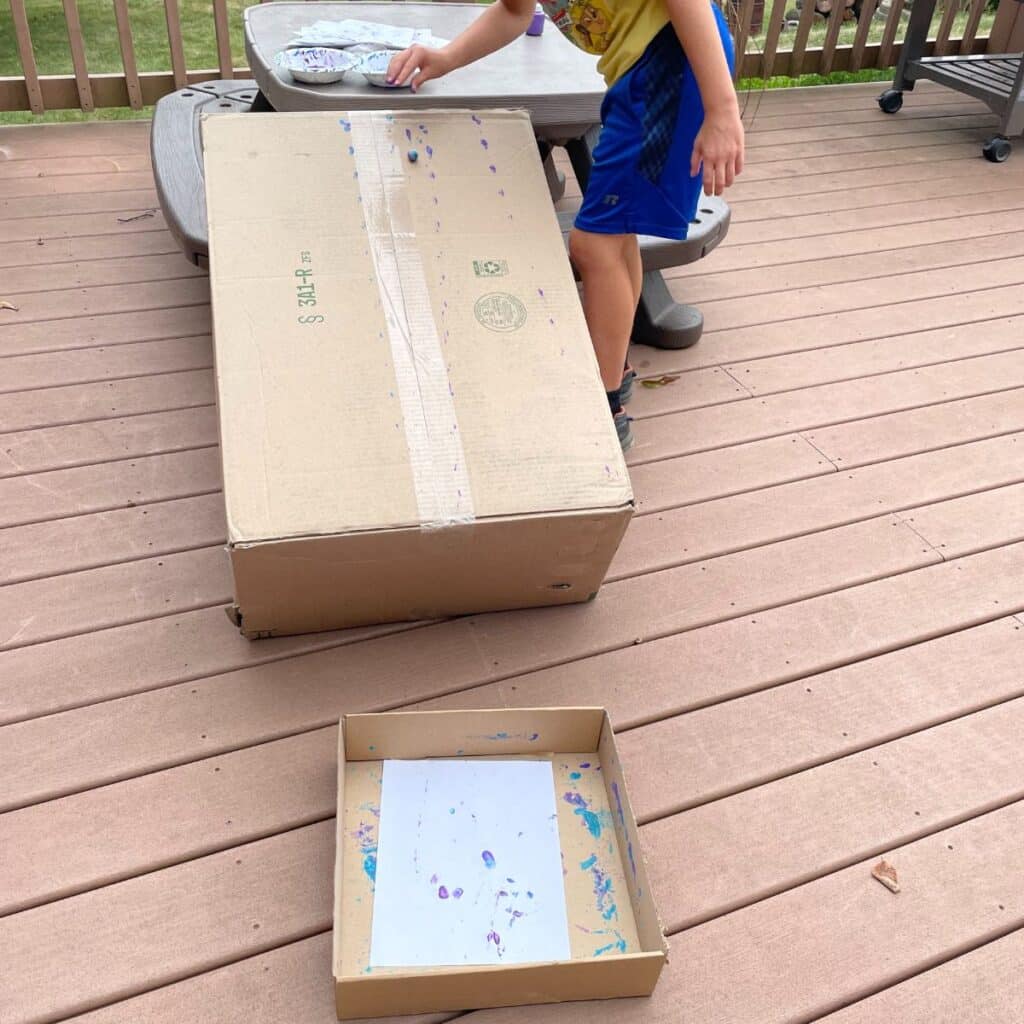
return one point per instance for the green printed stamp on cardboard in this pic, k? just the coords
(490, 268)
(500, 312)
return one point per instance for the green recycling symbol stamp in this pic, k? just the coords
(490, 268)
(500, 312)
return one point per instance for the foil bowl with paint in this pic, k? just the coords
(374, 68)
(316, 65)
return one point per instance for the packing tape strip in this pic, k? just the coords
(436, 456)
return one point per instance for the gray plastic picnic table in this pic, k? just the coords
(546, 75)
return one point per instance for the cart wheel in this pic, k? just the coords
(997, 149)
(891, 101)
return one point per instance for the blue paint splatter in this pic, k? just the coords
(591, 820)
(370, 866)
(488, 858)
(529, 894)
(457, 894)
(347, 125)
(587, 864)
(451, 810)
(430, 150)
(575, 776)
(604, 949)
(351, 150)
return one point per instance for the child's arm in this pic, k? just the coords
(501, 23)
(719, 145)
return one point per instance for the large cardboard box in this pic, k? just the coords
(617, 943)
(412, 422)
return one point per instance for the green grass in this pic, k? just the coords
(102, 50)
(53, 55)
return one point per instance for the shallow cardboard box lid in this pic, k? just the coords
(530, 732)
(451, 376)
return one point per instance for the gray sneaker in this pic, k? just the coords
(625, 431)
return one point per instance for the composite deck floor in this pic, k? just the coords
(812, 642)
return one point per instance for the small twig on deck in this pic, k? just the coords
(138, 216)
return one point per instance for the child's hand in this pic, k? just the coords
(425, 64)
(719, 147)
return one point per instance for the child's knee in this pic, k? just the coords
(590, 252)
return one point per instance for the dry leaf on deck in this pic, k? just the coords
(885, 873)
(4, 304)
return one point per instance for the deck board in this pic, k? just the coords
(826, 571)
(449, 656)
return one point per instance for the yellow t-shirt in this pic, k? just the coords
(619, 30)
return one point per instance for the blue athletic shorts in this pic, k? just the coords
(640, 183)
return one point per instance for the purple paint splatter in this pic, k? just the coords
(488, 858)
(442, 893)
(575, 799)
(457, 894)
(618, 804)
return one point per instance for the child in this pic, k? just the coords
(670, 111)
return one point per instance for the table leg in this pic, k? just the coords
(914, 43)
(660, 322)
(260, 105)
(556, 179)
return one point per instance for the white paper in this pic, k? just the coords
(469, 865)
(352, 32)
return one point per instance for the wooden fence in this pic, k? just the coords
(777, 41)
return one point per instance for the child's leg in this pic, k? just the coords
(636, 269)
(610, 295)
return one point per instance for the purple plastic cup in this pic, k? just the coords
(537, 24)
